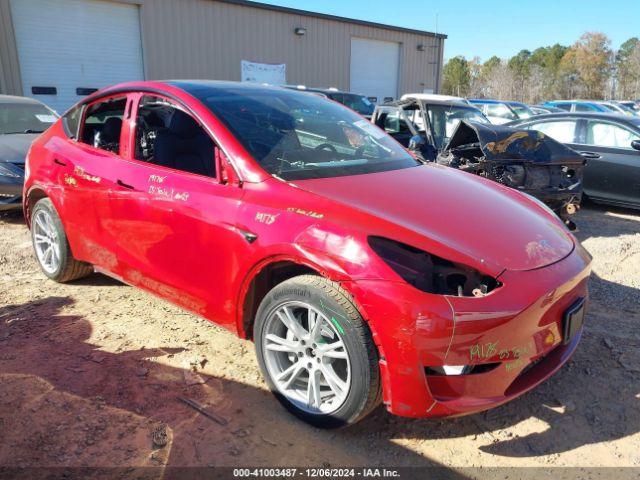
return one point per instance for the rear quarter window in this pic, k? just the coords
(71, 122)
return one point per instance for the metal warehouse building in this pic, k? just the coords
(59, 50)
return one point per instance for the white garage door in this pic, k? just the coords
(75, 44)
(374, 68)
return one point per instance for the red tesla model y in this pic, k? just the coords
(361, 274)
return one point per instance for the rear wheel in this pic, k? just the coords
(316, 352)
(51, 245)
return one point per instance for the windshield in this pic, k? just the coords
(360, 104)
(608, 107)
(632, 106)
(25, 118)
(297, 136)
(444, 119)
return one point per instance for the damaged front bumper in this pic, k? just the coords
(450, 356)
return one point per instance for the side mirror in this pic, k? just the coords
(635, 144)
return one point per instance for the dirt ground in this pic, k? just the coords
(91, 372)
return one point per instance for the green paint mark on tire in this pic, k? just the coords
(338, 326)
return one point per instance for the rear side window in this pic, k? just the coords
(604, 134)
(562, 131)
(563, 106)
(168, 136)
(103, 124)
(71, 122)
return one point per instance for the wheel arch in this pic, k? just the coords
(34, 194)
(261, 279)
(272, 271)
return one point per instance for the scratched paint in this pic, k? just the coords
(81, 172)
(69, 180)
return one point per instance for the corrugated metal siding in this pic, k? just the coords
(207, 39)
(10, 81)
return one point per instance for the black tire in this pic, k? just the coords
(69, 268)
(365, 388)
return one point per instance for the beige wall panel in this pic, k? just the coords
(207, 39)
(10, 81)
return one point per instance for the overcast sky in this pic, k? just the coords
(493, 27)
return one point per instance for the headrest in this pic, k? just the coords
(183, 125)
(110, 131)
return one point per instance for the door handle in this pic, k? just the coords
(59, 162)
(125, 185)
(591, 155)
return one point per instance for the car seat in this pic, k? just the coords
(184, 146)
(108, 136)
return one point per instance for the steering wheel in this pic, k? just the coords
(326, 146)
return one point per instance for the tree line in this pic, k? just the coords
(588, 69)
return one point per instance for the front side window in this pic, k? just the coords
(561, 131)
(360, 104)
(297, 136)
(25, 118)
(444, 119)
(563, 106)
(604, 134)
(103, 124)
(394, 120)
(168, 136)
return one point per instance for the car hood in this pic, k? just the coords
(14, 147)
(503, 143)
(481, 220)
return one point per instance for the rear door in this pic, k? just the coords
(173, 216)
(86, 168)
(612, 172)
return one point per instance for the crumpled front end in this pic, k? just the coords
(526, 160)
(444, 355)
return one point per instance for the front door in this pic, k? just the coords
(174, 220)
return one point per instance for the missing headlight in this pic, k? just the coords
(430, 273)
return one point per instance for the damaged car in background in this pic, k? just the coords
(457, 135)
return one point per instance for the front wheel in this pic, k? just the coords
(316, 352)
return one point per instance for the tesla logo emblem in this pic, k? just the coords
(266, 218)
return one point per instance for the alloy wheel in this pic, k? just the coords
(46, 241)
(306, 357)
